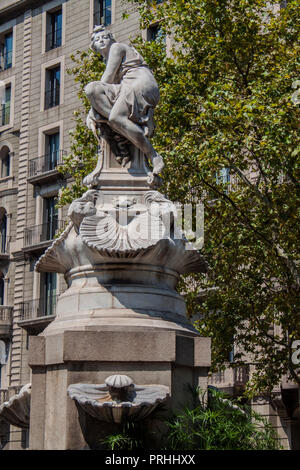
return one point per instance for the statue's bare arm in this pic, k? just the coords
(116, 54)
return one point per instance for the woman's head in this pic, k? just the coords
(101, 39)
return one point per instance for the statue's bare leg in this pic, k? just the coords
(98, 99)
(119, 122)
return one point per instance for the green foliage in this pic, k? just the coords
(226, 102)
(129, 439)
(221, 424)
(214, 424)
(226, 86)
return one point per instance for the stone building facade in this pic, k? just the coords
(38, 99)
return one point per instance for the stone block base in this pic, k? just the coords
(161, 357)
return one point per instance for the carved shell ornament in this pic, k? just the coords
(118, 381)
(118, 399)
(122, 229)
(119, 232)
(17, 409)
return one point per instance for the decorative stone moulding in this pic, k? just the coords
(118, 399)
(16, 410)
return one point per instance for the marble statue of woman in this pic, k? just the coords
(125, 97)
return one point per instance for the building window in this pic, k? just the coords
(223, 177)
(3, 234)
(6, 41)
(5, 114)
(52, 88)
(5, 162)
(54, 30)
(155, 33)
(1, 289)
(102, 12)
(49, 293)
(50, 217)
(6, 50)
(52, 151)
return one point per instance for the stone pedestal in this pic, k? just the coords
(122, 255)
(168, 358)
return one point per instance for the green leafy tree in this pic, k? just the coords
(226, 77)
(226, 103)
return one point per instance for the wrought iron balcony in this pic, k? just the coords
(42, 307)
(6, 316)
(52, 98)
(38, 234)
(53, 39)
(36, 314)
(40, 165)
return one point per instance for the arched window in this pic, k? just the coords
(5, 161)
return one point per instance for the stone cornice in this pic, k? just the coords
(15, 8)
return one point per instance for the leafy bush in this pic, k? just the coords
(218, 423)
(130, 438)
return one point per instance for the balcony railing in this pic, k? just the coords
(3, 396)
(5, 114)
(241, 375)
(37, 308)
(53, 39)
(231, 377)
(42, 233)
(41, 165)
(52, 98)
(6, 313)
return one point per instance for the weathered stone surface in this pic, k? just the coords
(96, 401)
(89, 357)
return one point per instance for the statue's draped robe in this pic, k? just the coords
(135, 86)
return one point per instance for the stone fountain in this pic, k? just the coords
(121, 254)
